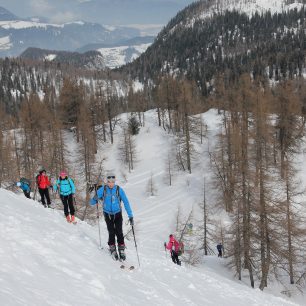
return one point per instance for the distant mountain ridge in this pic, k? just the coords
(6, 15)
(87, 60)
(16, 34)
(139, 40)
(94, 56)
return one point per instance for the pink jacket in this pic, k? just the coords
(173, 243)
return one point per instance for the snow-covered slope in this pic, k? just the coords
(251, 6)
(118, 56)
(45, 261)
(207, 8)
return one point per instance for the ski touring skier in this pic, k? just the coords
(174, 247)
(220, 249)
(112, 195)
(25, 186)
(66, 188)
(43, 184)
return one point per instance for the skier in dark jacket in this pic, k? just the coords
(220, 249)
(26, 188)
(112, 195)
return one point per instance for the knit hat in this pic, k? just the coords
(63, 173)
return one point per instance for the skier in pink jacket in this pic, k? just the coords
(174, 247)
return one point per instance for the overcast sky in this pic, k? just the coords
(113, 12)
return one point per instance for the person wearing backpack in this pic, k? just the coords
(174, 247)
(25, 185)
(43, 184)
(66, 188)
(220, 249)
(112, 195)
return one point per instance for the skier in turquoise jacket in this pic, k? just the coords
(66, 189)
(112, 195)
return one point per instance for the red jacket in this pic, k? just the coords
(173, 245)
(43, 182)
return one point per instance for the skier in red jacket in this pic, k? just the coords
(43, 184)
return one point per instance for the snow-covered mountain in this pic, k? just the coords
(121, 55)
(207, 8)
(16, 34)
(248, 6)
(111, 56)
(46, 261)
(210, 37)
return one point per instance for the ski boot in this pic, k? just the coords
(121, 249)
(68, 219)
(113, 252)
(73, 219)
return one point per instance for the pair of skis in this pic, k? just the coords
(123, 266)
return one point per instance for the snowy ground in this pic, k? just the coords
(45, 261)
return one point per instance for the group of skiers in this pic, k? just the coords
(64, 185)
(111, 196)
(110, 193)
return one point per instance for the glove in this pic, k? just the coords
(131, 220)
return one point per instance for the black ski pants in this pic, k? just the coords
(27, 194)
(68, 204)
(44, 194)
(175, 258)
(219, 253)
(114, 227)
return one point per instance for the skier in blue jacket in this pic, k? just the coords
(66, 189)
(112, 195)
(26, 188)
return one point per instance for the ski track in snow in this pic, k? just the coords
(46, 261)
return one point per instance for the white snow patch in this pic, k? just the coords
(5, 43)
(50, 57)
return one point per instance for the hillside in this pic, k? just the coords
(86, 60)
(201, 42)
(45, 261)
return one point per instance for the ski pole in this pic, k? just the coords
(74, 204)
(98, 217)
(165, 245)
(135, 245)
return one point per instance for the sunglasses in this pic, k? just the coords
(112, 177)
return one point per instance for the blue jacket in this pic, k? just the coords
(111, 203)
(25, 187)
(65, 186)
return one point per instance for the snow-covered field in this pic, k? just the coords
(46, 261)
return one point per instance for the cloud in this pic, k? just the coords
(63, 17)
(40, 7)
